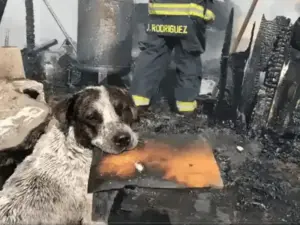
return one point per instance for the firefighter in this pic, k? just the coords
(178, 25)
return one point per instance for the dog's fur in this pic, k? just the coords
(50, 185)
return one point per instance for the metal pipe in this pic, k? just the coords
(60, 25)
(30, 29)
(43, 47)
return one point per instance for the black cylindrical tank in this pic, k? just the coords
(104, 39)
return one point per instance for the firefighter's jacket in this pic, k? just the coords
(177, 17)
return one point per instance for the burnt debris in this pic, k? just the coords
(221, 88)
(260, 182)
(260, 96)
(260, 91)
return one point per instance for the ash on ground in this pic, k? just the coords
(262, 182)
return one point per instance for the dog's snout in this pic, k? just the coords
(122, 140)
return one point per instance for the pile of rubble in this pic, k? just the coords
(24, 113)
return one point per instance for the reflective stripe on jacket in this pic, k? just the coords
(180, 9)
(186, 106)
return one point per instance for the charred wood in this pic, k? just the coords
(277, 76)
(2, 8)
(266, 37)
(295, 40)
(252, 74)
(266, 110)
(238, 62)
(30, 32)
(220, 105)
(291, 120)
(292, 95)
(270, 30)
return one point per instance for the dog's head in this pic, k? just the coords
(100, 117)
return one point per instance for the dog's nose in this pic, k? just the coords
(122, 140)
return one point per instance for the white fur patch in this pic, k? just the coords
(104, 106)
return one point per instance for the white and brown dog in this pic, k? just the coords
(50, 185)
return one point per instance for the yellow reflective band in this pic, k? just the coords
(191, 9)
(140, 100)
(186, 106)
(165, 28)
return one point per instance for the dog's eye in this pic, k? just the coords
(119, 110)
(127, 116)
(94, 116)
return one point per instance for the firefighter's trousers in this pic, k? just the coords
(154, 60)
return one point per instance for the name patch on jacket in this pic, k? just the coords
(168, 29)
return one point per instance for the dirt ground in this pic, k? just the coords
(262, 182)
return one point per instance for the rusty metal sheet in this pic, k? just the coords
(175, 161)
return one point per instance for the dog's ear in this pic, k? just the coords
(63, 111)
(129, 114)
(123, 104)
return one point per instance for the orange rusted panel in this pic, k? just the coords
(158, 164)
